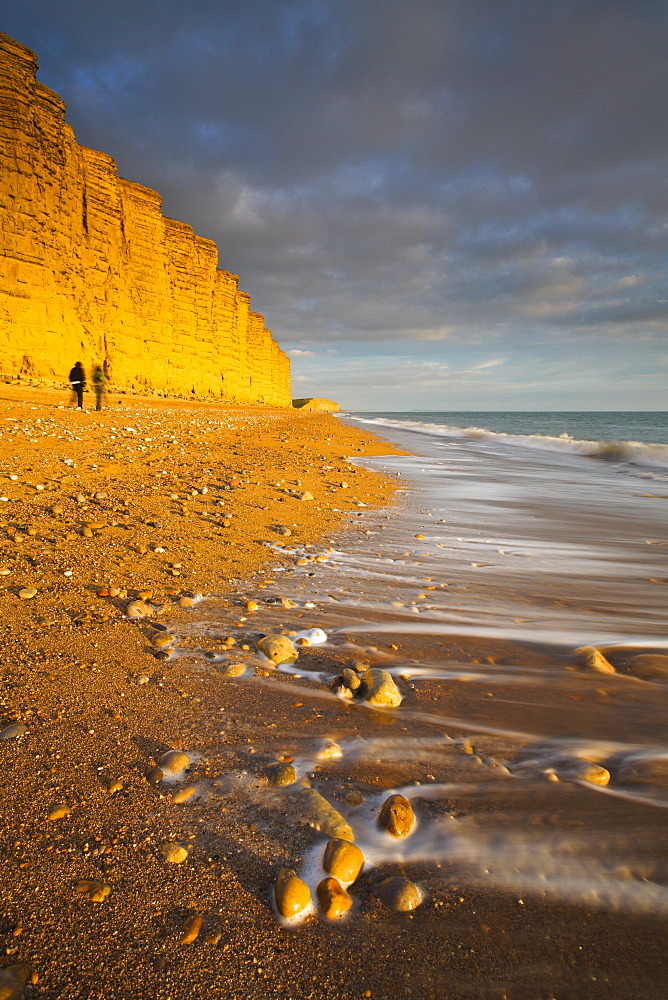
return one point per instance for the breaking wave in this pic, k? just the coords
(634, 452)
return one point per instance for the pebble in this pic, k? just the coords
(333, 898)
(396, 816)
(351, 679)
(27, 593)
(155, 776)
(399, 893)
(586, 771)
(161, 639)
(281, 774)
(94, 889)
(59, 812)
(291, 895)
(378, 688)
(139, 609)
(184, 794)
(343, 860)
(174, 853)
(313, 636)
(328, 820)
(641, 770)
(278, 648)
(329, 750)
(13, 980)
(13, 731)
(191, 929)
(186, 602)
(648, 666)
(306, 495)
(234, 670)
(173, 763)
(282, 529)
(593, 659)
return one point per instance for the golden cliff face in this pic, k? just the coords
(91, 270)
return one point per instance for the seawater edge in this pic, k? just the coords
(507, 813)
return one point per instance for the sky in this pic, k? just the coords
(436, 204)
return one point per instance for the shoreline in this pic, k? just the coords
(100, 709)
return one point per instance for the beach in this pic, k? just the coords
(537, 877)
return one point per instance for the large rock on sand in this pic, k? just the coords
(13, 980)
(396, 816)
(278, 648)
(328, 820)
(378, 688)
(593, 659)
(639, 769)
(399, 893)
(292, 896)
(343, 860)
(648, 666)
(174, 764)
(333, 898)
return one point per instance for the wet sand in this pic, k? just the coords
(100, 709)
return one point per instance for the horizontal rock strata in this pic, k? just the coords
(92, 270)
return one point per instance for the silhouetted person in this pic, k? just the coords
(100, 385)
(78, 383)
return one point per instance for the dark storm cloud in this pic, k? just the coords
(459, 176)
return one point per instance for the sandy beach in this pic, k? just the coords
(121, 883)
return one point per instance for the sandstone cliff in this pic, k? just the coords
(91, 270)
(316, 403)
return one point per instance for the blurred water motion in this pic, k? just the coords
(527, 770)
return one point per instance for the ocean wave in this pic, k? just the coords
(632, 452)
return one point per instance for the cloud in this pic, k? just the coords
(425, 178)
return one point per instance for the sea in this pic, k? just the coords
(516, 589)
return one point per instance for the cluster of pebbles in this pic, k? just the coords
(341, 863)
(644, 666)
(338, 864)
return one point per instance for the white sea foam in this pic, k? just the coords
(633, 452)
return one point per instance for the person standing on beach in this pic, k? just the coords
(78, 383)
(99, 384)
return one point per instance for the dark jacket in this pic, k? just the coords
(77, 375)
